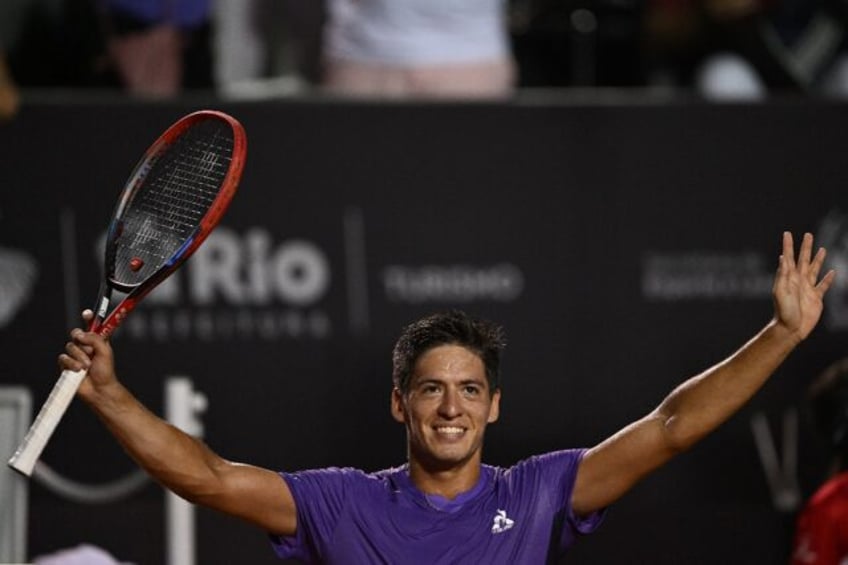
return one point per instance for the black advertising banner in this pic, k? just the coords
(623, 247)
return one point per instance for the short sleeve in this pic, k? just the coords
(553, 475)
(319, 497)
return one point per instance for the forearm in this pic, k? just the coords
(178, 461)
(704, 402)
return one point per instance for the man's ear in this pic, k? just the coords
(398, 408)
(495, 408)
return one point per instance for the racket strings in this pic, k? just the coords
(176, 193)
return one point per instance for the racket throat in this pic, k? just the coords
(102, 308)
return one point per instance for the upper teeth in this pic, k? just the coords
(450, 430)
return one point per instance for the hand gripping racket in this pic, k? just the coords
(173, 199)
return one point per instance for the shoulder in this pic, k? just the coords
(555, 470)
(558, 461)
(348, 478)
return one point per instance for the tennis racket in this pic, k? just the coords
(172, 201)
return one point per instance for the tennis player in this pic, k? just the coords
(444, 505)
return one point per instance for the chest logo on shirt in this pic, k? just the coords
(501, 523)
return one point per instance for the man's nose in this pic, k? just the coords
(450, 406)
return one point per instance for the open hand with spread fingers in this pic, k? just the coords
(798, 292)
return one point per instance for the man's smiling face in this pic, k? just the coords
(446, 408)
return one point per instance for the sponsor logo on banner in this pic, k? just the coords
(833, 236)
(242, 286)
(711, 275)
(453, 283)
(705, 275)
(250, 286)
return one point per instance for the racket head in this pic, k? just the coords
(173, 199)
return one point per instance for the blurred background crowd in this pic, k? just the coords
(427, 48)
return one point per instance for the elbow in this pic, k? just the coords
(200, 492)
(202, 487)
(679, 434)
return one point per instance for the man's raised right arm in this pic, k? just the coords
(178, 461)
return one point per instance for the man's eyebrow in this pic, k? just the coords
(418, 381)
(473, 381)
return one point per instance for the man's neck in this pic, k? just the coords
(449, 482)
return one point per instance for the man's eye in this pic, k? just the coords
(472, 390)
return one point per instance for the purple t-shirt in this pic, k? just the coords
(517, 515)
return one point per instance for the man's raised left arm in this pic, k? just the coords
(705, 401)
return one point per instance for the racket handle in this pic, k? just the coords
(45, 423)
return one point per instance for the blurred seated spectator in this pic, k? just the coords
(417, 48)
(9, 96)
(160, 47)
(83, 554)
(143, 47)
(12, 13)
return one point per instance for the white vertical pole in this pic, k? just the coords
(15, 418)
(182, 406)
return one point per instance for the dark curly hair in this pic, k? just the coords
(482, 337)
